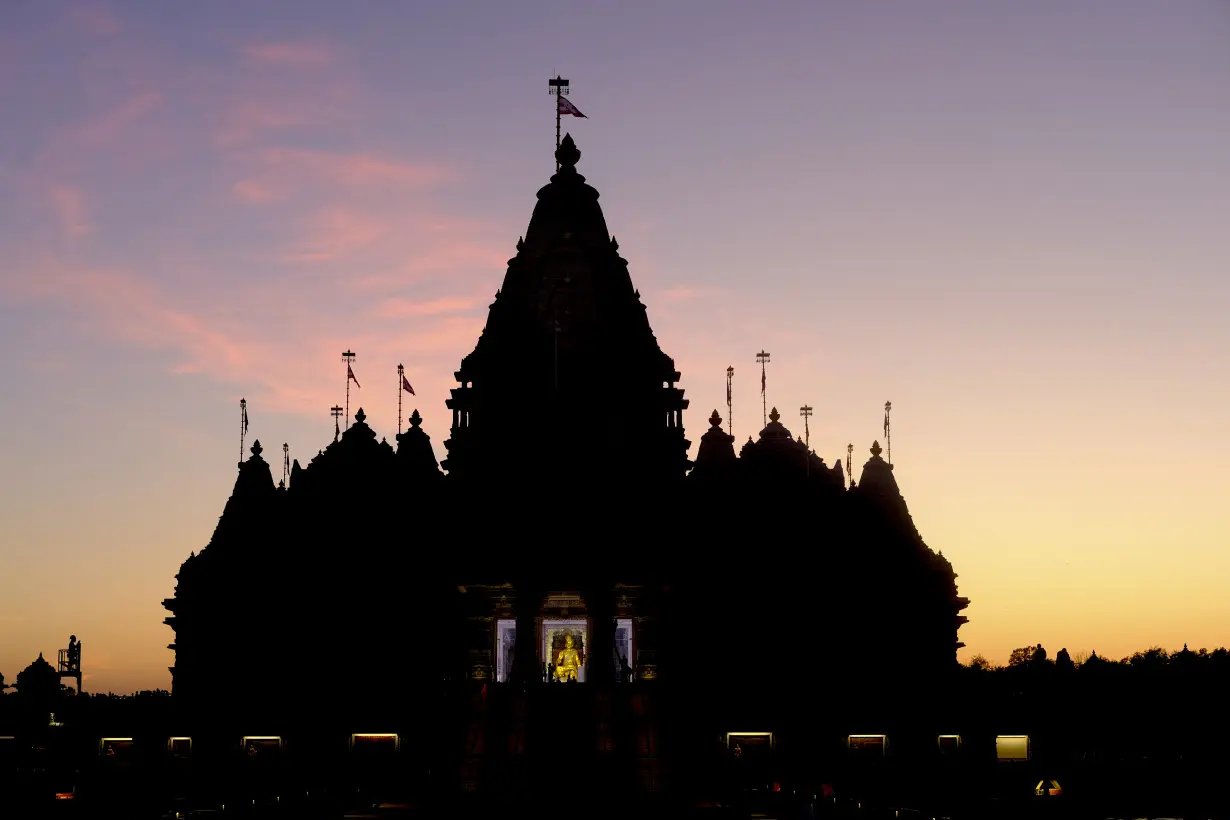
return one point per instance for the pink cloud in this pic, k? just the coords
(71, 209)
(338, 232)
(115, 121)
(356, 169)
(95, 20)
(679, 293)
(292, 55)
(250, 190)
(400, 308)
(245, 120)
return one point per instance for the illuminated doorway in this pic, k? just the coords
(565, 647)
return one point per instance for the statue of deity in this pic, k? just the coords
(568, 662)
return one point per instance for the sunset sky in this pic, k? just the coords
(1008, 218)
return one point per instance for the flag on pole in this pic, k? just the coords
(762, 381)
(728, 391)
(245, 419)
(405, 385)
(886, 424)
(337, 429)
(350, 375)
(566, 107)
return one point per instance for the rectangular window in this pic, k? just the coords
(1012, 747)
(868, 747)
(505, 645)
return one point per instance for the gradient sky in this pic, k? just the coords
(1008, 218)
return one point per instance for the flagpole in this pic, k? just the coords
(730, 410)
(286, 463)
(243, 425)
(348, 357)
(337, 413)
(401, 374)
(558, 87)
(888, 439)
(763, 359)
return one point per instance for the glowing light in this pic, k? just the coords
(377, 736)
(1012, 747)
(867, 743)
(105, 742)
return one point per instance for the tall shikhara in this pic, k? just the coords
(567, 353)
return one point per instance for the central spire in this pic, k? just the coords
(567, 333)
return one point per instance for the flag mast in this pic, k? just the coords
(888, 440)
(730, 412)
(401, 374)
(763, 359)
(348, 357)
(285, 463)
(805, 411)
(850, 463)
(337, 414)
(243, 425)
(557, 87)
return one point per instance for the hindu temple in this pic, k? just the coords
(565, 602)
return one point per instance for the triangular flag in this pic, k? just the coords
(566, 107)
(350, 375)
(405, 385)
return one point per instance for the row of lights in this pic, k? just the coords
(1007, 747)
(174, 743)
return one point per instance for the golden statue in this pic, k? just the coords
(567, 662)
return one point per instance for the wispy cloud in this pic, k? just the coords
(95, 19)
(250, 190)
(397, 308)
(356, 169)
(116, 120)
(292, 55)
(71, 209)
(338, 232)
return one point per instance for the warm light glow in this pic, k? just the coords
(174, 742)
(944, 740)
(867, 743)
(377, 736)
(730, 735)
(1012, 747)
(104, 742)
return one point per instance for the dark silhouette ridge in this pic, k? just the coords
(569, 504)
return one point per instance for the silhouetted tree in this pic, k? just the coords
(980, 663)
(1021, 656)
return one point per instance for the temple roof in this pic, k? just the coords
(567, 207)
(717, 449)
(877, 475)
(415, 455)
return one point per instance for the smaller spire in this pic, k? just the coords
(256, 448)
(876, 449)
(567, 155)
(360, 416)
(715, 420)
(774, 415)
(415, 418)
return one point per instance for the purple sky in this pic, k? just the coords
(1008, 218)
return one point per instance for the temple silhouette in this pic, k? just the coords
(565, 592)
